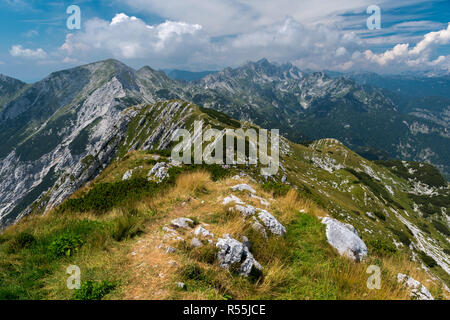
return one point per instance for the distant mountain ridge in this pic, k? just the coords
(49, 128)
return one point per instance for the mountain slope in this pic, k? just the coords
(53, 124)
(313, 106)
(125, 211)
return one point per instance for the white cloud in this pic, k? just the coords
(419, 56)
(128, 37)
(19, 51)
(231, 17)
(185, 45)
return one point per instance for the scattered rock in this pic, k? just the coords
(271, 223)
(171, 250)
(263, 201)
(159, 172)
(127, 175)
(243, 187)
(184, 223)
(345, 239)
(233, 251)
(196, 243)
(169, 230)
(202, 232)
(246, 211)
(133, 253)
(259, 227)
(246, 242)
(232, 198)
(181, 285)
(172, 263)
(418, 290)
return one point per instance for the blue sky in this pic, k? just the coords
(199, 35)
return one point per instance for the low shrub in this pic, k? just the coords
(380, 215)
(91, 290)
(192, 272)
(65, 245)
(277, 188)
(441, 227)
(429, 261)
(403, 237)
(380, 247)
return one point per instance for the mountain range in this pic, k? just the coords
(49, 127)
(85, 165)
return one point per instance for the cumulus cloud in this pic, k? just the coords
(229, 17)
(19, 51)
(419, 56)
(181, 44)
(126, 37)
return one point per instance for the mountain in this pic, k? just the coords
(8, 88)
(187, 75)
(52, 128)
(308, 106)
(409, 85)
(143, 226)
(49, 127)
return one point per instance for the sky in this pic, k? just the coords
(196, 35)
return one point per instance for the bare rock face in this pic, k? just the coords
(345, 239)
(233, 251)
(418, 290)
(159, 172)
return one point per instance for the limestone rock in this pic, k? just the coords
(233, 251)
(231, 199)
(345, 239)
(202, 232)
(243, 187)
(184, 223)
(271, 223)
(127, 175)
(418, 290)
(159, 172)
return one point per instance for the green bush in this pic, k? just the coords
(91, 290)
(441, 227)
(380, 215)
(106, 195)
(278, 188)
(429, 261)
(65, 245)
(381, 247)
(403, 237)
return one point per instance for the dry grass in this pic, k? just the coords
(151, 273)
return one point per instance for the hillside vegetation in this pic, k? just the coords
(118, 227)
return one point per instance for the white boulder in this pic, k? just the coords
(345, 239)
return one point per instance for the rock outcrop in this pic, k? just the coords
(418, 290)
